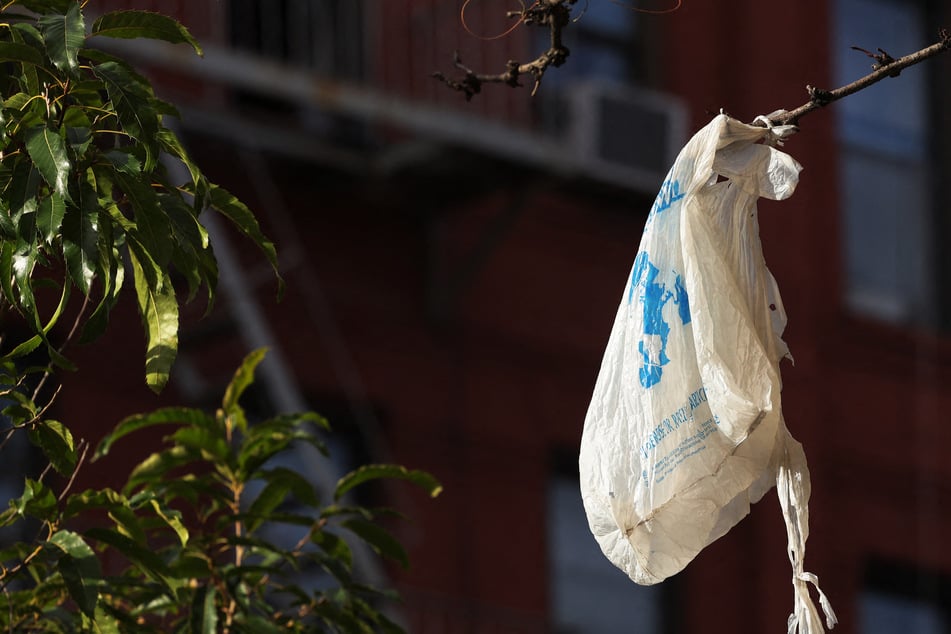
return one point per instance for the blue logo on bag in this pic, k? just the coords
(654, 295)
(669, 194)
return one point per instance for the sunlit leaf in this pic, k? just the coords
(172, 519)
(210, 442)
(37, 500)
(23, 264)
(387, 471)
(238, 213)
(57, 444)
(164, 416)
(48, 152)
(265, 439)
(80, 239)
(49, 216)
(158, 308)
(135, 24)
(64, 35)
(111, 271)
(132, 104)
(156, 466)
(151, 222)
(243, 377)
(80, 569)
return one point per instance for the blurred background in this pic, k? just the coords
(453, 270)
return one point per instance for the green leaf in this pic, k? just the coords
(204, 613)
(264, 440)
(23, 264)
(171, 144)
(23, 53)
(192, 565)
(191, 244)
(8, 230)
(37, 500)
(112, 274)
(132, 101)
(243, 377)
(25, 348)
(48, 152)
(80, 240)
(57, 444)
(21, 190)
(209, 442)
(102, 622)
(80, 569)
(238, 213)
(164, 416)
(7, 248)
(139, 554)
(49, 216)
(124, 162)
(156, 466)
(127, 522)
(158, 308)
(64, 35)
(379, 539)
(172, 519)
(134, 24)
(334, 546)
(389, 471)
(280, 483)
(151, 223)
(29, 79)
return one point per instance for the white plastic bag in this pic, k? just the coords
(685, 427)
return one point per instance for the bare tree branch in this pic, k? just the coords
(556, 15)
(885, 66)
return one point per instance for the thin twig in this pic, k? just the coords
(65, 344)
(885, 66)
(556, 15)
(8, 434)
(83, 447)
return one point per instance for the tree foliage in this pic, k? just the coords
(85, 195)
(196, 527)
(196, 541)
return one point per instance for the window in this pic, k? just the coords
(885, 189)
(323, 35)
(602, 43)
(588, 594)
(604, 47)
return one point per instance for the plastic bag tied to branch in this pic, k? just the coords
(685, 427)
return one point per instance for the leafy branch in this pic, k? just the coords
(82, 189)
(195, 540)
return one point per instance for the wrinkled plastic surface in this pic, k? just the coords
(685, 427)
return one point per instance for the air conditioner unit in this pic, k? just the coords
(623, 135)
